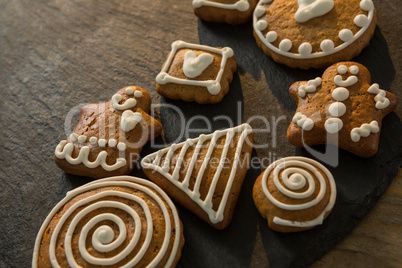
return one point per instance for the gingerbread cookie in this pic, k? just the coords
(196, 73)
(224, 11)
(342, 108)
(205, 174)
(313, 33)
(295, 194)
(114, 222)
(109, 136)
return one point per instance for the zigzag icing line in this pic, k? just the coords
(364, 131)
(382, 101)
(152, 161)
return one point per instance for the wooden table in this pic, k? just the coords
(56, 54)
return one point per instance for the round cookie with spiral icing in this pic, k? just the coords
(295, 194)
(113, 222)
(313, 33)
(224, 11)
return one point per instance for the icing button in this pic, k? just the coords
(93, 140)
(285, 45)
(259, 11)
(354, 69)
(333, 125)
(121, 146)
(73, 137)
(337, 109)
(366, 5)
(340, 94)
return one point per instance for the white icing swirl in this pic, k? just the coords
(103, 238)
(129, 120)
(194, 65)
(310, 87)
(309, 9)
(295, 173)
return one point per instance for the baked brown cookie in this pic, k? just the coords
(342, 108)
(109, 136)
(196, 73)
(114, 222)
(224, 11)
(295, 194)
(205, 174)
(313, 33)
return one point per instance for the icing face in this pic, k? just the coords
(117, 129)
(103, 208)
(153, 162)
(240, 5)
(309, 9)
(194, 66)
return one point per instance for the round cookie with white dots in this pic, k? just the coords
(313, 33)
(342, 107)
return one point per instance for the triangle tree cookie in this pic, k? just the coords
(109, 136)
(205, 174)
(341, 108)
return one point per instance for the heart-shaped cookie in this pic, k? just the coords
(109, 136)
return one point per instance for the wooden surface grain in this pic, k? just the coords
(56, 54)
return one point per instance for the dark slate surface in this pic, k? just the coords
(56, 55)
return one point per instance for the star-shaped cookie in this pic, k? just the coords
(109, 136)
(342, 108)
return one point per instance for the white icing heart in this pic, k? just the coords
(309, 9)
(194, 65)
(129, 120)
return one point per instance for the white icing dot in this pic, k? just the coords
(340, 94)
(285, 45)
(327, 45)
(361, 20)
(82, 138)
(259, 11)
(342, 69)
(73, 137)
(346, 35)
(242, 5)
(337, 109)
(333, 125)
(121, 146)
(262, 25)
(129, 90)
(354, 69)
(102, 142)
(112, 143)
(366, 5)
(104, 234)
(93, 140)
(305, 49)
(138, 94)
(271, 36)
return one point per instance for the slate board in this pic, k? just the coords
(32, 185)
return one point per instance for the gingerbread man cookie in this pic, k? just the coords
(109, 136)
(225, 11)
(342, 108)
(196, 73)
(313, 33)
